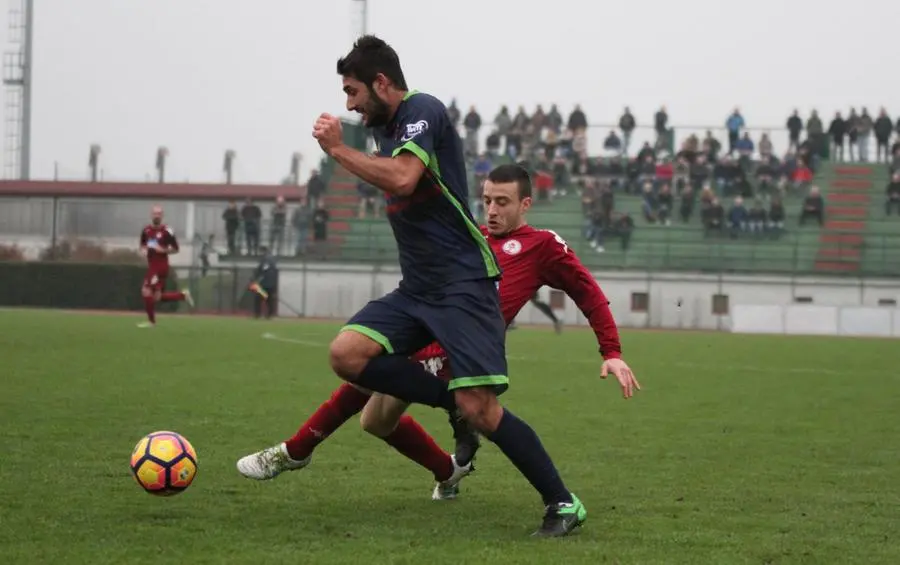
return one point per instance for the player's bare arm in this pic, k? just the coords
(395, 175)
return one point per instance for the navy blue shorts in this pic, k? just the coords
(464, 317)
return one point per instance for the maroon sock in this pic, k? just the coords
(345, 402)
(410, 439)
(150, 308)
(171, 297)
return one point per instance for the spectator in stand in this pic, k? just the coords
(320, 219)
(252, 217)
(648, 172)
(648, 203)
(766, 175)
(232, 219)
(665, 201)
(661, 124)
(276, 230)
(737, 217)
(893, 195)
(734, 124)
(814, 125)
(766, 149)
(794, 127)
(852, 133)
(627, 123)
(713, 217)
(492, 144)
(700, 172)
(813, 207)
(612, 144)
(776, 216)
(577, 122)
(837, 130)
(864, 129)
(802, 176)
(539, 122)
(454, 114)
(726, 173)
(300, 221)
(315, 188)
(745, 149)
(686, 208)
(883, 128)
(503, 125)
(472, 123)
(681, 174)
(554, 120)
(665, 171)
(756, 218)
(646, 151)
(368, 199)
(711, 146)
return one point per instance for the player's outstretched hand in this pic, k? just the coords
(328, 132)
(622, 372)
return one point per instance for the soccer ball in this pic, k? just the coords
(164, 463)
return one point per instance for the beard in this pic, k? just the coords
(156, 221)
(377, 112)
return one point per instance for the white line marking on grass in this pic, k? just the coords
(273, 337)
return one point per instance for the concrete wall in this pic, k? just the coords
(337, 292)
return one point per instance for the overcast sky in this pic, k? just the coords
(202, 76)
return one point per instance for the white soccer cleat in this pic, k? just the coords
(449, 489)
(188, 298)
(144, 325)
(269, 463)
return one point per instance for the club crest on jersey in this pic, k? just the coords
(512, 247)
(413, 130)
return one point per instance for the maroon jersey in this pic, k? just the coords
(531, 258)
(163, 236)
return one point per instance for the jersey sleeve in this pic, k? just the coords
(562, 270)
(420, 127)
(143, 238)
(172, 240)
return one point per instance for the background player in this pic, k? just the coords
(157, 243)
(448, 291)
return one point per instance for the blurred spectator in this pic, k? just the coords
(368, 199)
(645, 152)
(472, 123)
(661, 124)
(766, 148)
(612, 144)
(734, 124)
(776, 215)
(577, 122)
(726, 173)
(713, 217)
(813, 207)
(232, 219)
(814, 125)
(837, 130)
(539, 121)
(893, 195)
(745, 149)
(883, 128)
(664, 204)
(794, 127)
(554, 120)
(864, 130)
(756, 218)
(300, 221)
(276, 230)
(648, 203)
(627, 123)
(503, 125)
(802, 176)
(766, 175)
(700, 172)
(454, 114)
(852, 133)
(315, 188)
(320, 219)
(711, 146)
(492, 144)
(251, 215)
(737, 217)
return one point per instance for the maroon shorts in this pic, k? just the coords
(155, 279)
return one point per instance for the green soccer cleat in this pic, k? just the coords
(562, 519)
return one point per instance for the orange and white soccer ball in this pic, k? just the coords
(164, 463)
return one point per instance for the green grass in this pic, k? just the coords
(739, 450)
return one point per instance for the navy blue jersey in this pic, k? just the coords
(438, 240)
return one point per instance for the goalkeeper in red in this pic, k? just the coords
(158, 241)
(530, 258)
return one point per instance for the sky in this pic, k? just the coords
(203, 76)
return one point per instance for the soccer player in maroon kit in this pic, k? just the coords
(157, 243)
(530, 258)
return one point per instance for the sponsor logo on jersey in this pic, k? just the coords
(414, 130)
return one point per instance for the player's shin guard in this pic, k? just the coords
(402, 378)
(150, 308)
(523, 448)
(345, 402)
(410, 439)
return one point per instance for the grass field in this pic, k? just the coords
(739, 450)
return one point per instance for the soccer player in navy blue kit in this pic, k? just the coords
(448, 290)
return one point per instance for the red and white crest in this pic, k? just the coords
(512, 247)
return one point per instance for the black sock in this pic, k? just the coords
(522, 446)
(545, 308)
(405, 379)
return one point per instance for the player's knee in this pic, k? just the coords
(372, 423)
(480, 407)
(349, 353)
(145, 292)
